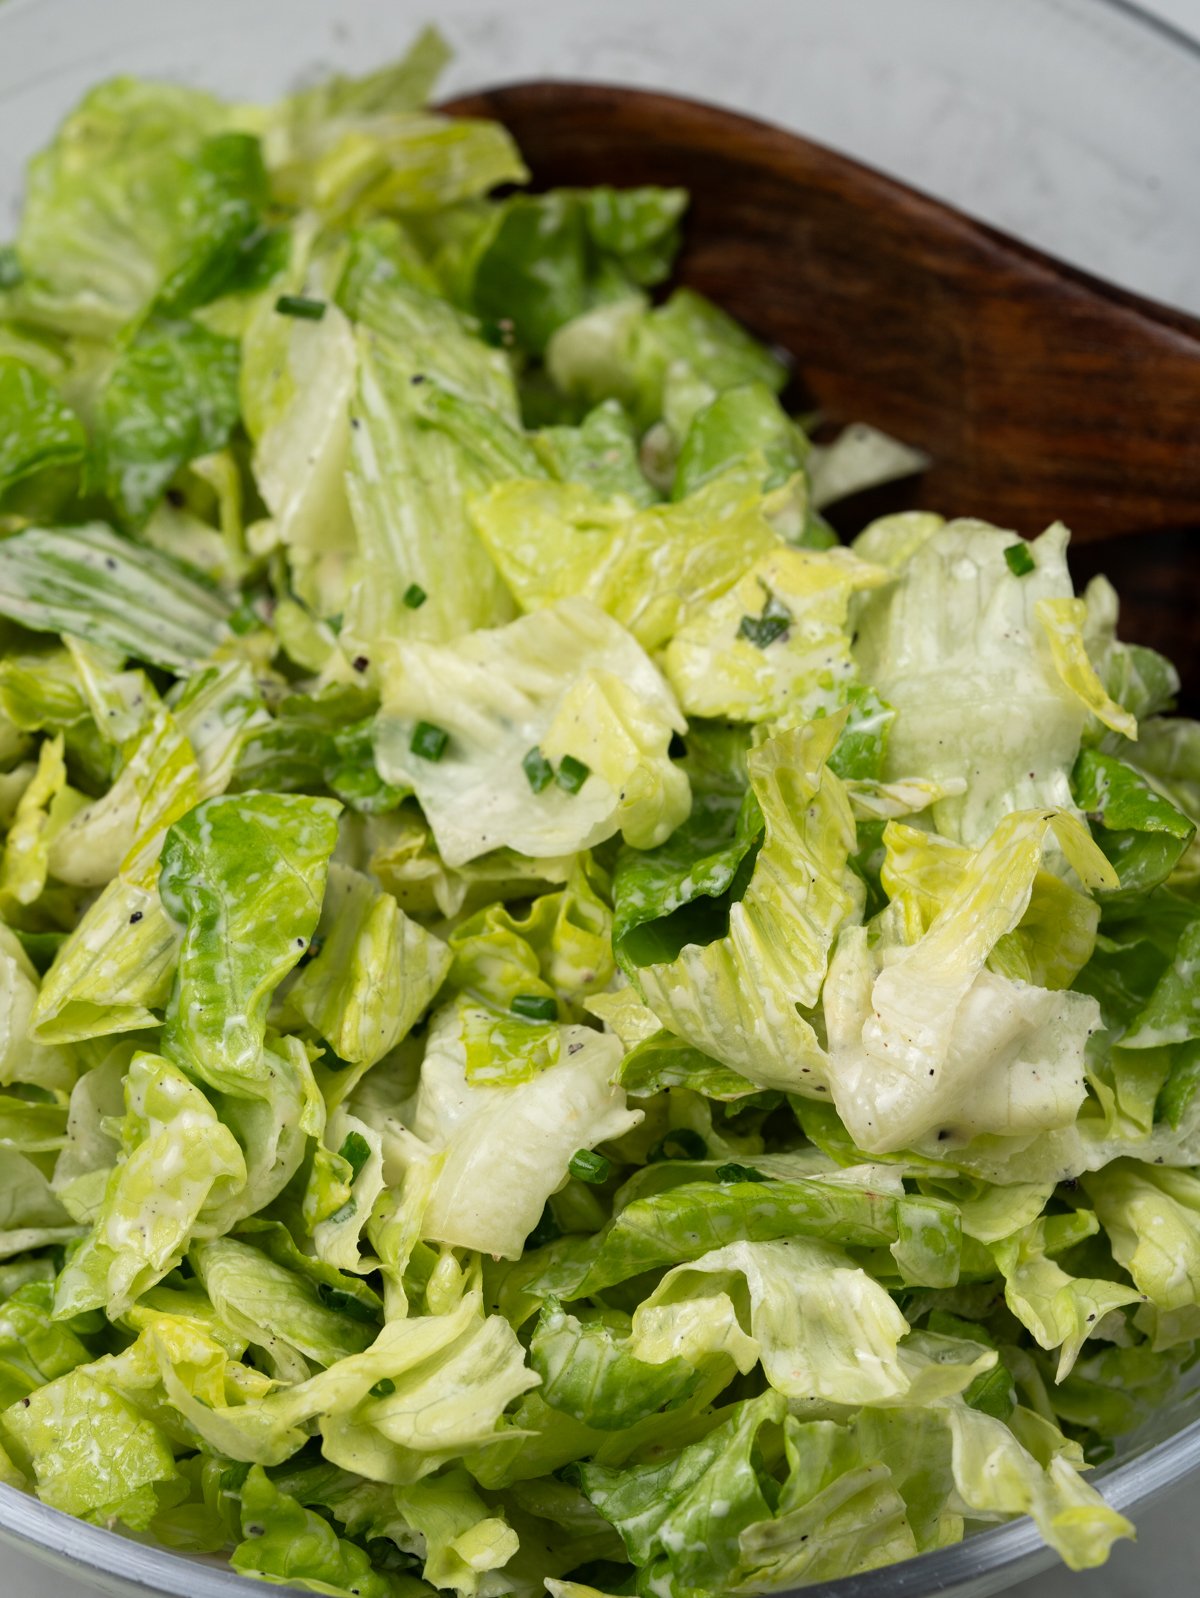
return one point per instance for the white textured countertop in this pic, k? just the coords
(1090, 151)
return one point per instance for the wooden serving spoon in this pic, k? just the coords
(1039, 392)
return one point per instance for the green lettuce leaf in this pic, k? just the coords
(89, 582)
(568, 682)
(929, 1041)
(177, 1156)
(286, 1543)
(504, 1149)
(955, 647)
(41, 432)
(589, 1374)
(244, 877)
(171, 395)
(1142, 833)
(740, 997)
(652, 569)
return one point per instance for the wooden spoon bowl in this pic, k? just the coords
(1038, 391)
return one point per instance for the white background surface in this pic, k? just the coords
(1097, 160)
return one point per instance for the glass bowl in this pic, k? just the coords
(990, 106)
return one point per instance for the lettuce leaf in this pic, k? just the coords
(244, 877)
(740, 997)
(568, 682)
(956, 647)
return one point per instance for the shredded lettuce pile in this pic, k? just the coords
(560, 1027)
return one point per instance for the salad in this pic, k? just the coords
(562, 1028)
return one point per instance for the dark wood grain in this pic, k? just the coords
(1039, 392)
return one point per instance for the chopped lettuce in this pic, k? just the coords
(558, 1027)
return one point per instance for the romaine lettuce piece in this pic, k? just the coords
(461, 1540)
(1142, 833)
(682, 1223)
(244, 877)
(1060, 1310)
(171, 395)
(740, 997)
(568, 686)
(825, 1330)
(668, 362)
(549, 258)
(956, 646)
(924, 1039)
(601, 454)
(505, 1149)
(286, 1543)
(89, 582)
(41, 432)
(652, 569)
(123, 203)
(175, 1153)
(92, 1452)
(31, 1215)
(777, 644)
(372, 973)
(435, 423)
(276, 1309)
(589, 1373)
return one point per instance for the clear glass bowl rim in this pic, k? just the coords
(82, 1550)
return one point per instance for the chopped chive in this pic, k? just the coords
(589, 1167)
(301, 306)
(738, 1173)
(428, 741)
(774, 621)
(572, 774)
(1020, 560)
(10, 268)
(534, 1007)
(356, 1151)
(415, 596)
(763, 630)
(538, 769)
(680, 1144)
(383, 1388)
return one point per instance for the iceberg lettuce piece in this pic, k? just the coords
(244, 876)
(652, 569)
(175, 1153)
(568, 682)
(22, 1057)
(956, 646)
(740, 998)
(505, 1149)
